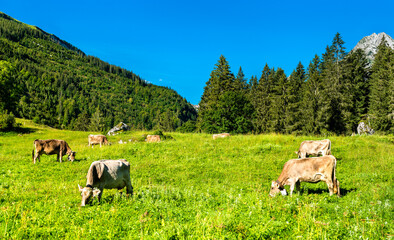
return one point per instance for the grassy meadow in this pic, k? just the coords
(193, 187)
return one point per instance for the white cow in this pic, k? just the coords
(106, 174)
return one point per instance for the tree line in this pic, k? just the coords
(331, 96)
(52, 82)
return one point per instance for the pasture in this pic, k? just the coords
(193, 187)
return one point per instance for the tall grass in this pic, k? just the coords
(194, 187)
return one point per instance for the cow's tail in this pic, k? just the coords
(32, 156)
(335, 180)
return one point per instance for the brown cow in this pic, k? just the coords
(97, 139)
(312, 170)
(220, 135)
(153, 138)
(106, 174)
(314, 148)
(50, 147)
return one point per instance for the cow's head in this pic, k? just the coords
(276, 188)
(88, 193)
(71, 156)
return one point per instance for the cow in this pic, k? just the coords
(50, 147)
(220, 135)
(312, 170)
(314, 148)
(106, 174)
(153, 138)
(97, 139)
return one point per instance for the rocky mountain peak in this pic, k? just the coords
(370, 44)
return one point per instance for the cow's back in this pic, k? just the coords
(116, 173)
(50, 146)
(306, 167)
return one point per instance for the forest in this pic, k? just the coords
(48, 80)
(331, 96)
(54, 83)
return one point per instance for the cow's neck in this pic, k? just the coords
(281, 181)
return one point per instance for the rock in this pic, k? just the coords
(152, 138)
(120, 127)
(364, 128)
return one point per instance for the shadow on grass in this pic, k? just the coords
(344, 191)
(19, 130)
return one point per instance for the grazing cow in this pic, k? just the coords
(153, 138)
(50, 147)
(312, 170)
(220, 135)
(314, 148)
(97, 139)
(106, 174)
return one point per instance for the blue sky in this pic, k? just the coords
(177, 43)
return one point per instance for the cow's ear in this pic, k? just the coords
(296, 153)
(80, 188)
(96, 192)
(100, 169)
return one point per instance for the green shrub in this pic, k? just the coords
(7, 121)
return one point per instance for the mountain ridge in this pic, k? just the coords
(56, 84)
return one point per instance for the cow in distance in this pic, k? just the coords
(50, 147)
(97, 139)
(314, 148)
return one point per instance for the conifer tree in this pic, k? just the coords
(312, 99)
(332, 110)
(224, 106)
(381, 107)
(278, 101)
(356, 89)
(260, 100)
(294, 94)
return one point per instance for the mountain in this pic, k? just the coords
(370, 44)
(49, 80)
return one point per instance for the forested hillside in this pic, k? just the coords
(331, 96)
(52, 82)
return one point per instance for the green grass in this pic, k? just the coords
(193, 187)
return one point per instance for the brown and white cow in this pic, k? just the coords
(315, 148)
(311, 170)
(220, 135)
(50, 147)
(153, 138)
(97, 139)
(106, 174)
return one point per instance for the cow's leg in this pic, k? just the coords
(330, 186)
(60, 156)
(36, 156)
(298, 186)
(129, 189)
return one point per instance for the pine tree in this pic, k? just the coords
(260, 100)
(224, 106)
(312, 99)
(381, 107)
(356, 89)
(334, 102)
(294, 94)
(278, 102)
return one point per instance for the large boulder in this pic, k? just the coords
(364, 128)
(119, 127)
